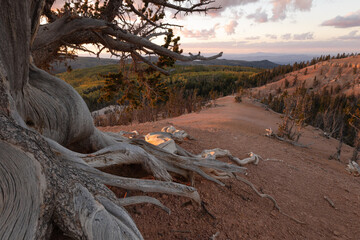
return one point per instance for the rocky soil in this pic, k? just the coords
(302, 180)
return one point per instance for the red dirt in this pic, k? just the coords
(298, 182)
(329, 74)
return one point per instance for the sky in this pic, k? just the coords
(272, 26)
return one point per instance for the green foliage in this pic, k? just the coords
(149, 88)
(238, 99)
(88, 82)
(199, 78)
(85, 8)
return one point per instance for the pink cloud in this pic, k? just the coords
(203, 34)
(280, 7)
(230, 28)
(303, 5)
(259, 16)
(224, 4)
(350, 20)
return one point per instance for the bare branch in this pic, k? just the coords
(86, 30)
(47, 11)
(199, 7)
(152, 65)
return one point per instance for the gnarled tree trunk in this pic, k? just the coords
(49, 145)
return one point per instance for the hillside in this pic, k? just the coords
(88, 62)
(340, 75)
(82, 62)
(203, 79)
(299, 179)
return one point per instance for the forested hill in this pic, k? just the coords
(340, 75)
(324, 94)
(87, 62)
(82, 62)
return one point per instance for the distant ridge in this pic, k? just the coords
(279, 58)
(255, 64)
(82, 62)
(86, 62)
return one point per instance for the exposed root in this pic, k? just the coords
(158, 160)
(353, 168)
(136, 184)
(101, 218)
(193, 164)
(206, 210)
(124, 153)
(273, 159)
(262, 195)
(330, 201)
(177, 135)
(142, 199)
(218, 152)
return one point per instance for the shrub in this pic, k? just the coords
(238, 99)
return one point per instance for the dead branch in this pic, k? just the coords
(262, 195)
(269, 133)
(329, 201)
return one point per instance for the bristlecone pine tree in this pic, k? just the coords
(49, 147)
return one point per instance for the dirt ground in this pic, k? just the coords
(298, 178)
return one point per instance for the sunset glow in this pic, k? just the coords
(270, 26)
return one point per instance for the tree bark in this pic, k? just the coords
(48, 143)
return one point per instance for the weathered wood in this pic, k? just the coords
(21, 187)
(46, 129)
(142, 199)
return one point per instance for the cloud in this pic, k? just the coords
(281, 7)
(224, 4)
(237, 13)
(259, 16)
(271, 36)
(203, 34)
(213, 46)
(349, 20)
(286, 36)
(350, 36)
(297, 37)
(230, 28)
(304, 36)
(303, 5)
(311, 47)
(253, 38)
